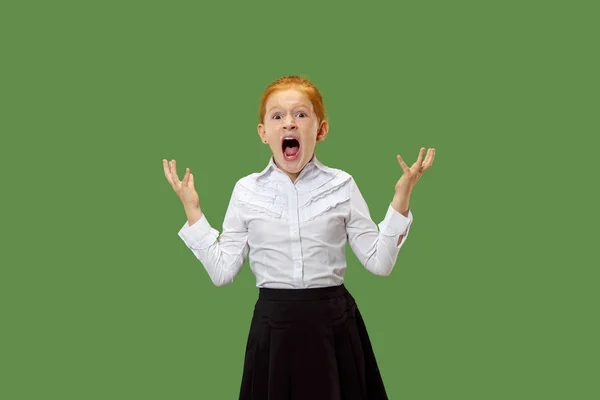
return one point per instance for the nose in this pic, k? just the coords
(290, 123)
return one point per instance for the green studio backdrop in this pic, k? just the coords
(494, 293)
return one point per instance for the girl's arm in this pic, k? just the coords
(400, 204)
(222, 256)
(193, 215)
(377, 249)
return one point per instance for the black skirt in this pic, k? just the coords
(309, 344)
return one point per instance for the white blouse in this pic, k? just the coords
(295, 233)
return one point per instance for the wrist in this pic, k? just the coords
(193, 214)
(191, 208)
(401, 204)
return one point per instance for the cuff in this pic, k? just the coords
(394, 223)
(200, 235)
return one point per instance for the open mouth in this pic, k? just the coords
(290, 148)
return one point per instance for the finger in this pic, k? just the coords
(167, 171)
(402, 164)
(186, 177)
(426, 161)
(419, 161)
(429, 159)
(192, 181)
(174, 176)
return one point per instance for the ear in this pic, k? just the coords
(323, 130)
(262, 132)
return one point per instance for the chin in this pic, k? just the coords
(294, 166)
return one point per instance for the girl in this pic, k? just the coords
(307, 337)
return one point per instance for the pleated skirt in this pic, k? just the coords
(309, 344)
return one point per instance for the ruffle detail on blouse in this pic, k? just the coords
(262, 200)
(331, 187)
(326, 197)
(261, 186)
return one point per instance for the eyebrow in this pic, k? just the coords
(293, 106)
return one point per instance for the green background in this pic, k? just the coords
(495, 292)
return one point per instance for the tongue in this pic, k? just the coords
(291, 151)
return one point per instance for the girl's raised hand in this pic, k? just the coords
(411, 175)
(185, 188)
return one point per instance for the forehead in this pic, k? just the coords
(288, 98)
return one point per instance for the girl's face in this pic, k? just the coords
(291, 129)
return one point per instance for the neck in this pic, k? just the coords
(293, 176)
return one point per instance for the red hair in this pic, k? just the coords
(294, 82)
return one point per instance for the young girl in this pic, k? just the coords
(307, 339)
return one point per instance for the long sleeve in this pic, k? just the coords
(376, 249)
(222, 256)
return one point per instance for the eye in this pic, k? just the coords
(301, 113)
(276, 116)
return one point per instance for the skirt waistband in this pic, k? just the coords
(320, 293)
